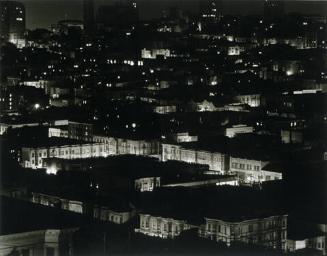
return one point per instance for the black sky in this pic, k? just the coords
(43, 13)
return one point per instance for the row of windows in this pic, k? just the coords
(54, 152)
(245, 166)
(318, 245)
(263, 225)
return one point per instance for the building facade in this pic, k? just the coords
(161, 227)
(216, 161)
(147, 184)
(115, 216)
(316, 242)
(12, 22)
(49, 242)
(269, 232)
(251, 170)
(32, 157)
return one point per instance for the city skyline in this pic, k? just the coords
(43, 14)
(194, 132)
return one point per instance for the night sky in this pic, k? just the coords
(44, 13)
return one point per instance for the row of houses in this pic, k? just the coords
(248, 170)
(102, 146)
(117, 215)
(270, 231)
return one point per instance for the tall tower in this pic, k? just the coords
(12, 22)
(211, 10)
(273, 9)
(88, 17)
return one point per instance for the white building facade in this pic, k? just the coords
(216, 161)
(251, 170)
(161, 227)
(269, 232)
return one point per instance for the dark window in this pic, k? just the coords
(50, 251)
(25, 252)
(284, 223)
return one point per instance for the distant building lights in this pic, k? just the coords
(37, 106)
(51, 170)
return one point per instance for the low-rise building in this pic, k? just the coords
(269, 231)
(161, 227)
(216, 161)
(253, 100)
(253, 170)
(238, 129)
(314, 242)
(32, 156)
(38, 242)
(118, 216)
(147, 184)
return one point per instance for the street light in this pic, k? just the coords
(36, 106)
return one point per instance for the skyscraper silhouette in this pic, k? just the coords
(88, 17)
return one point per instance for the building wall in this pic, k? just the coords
(147, 184)
(33, 157)
(42, 242)
(270, 232)
(233, 131)
(161, 227)
(106, 214)
(12, 22)
(215, 160)
(250, 171)
(317, 243)
(253, 100)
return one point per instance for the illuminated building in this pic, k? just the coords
(38, 242)
(154, 53)
(12, 22)
(211, 10)
(238, 129)
(216, 161)
(117, 216)
(268, 231)
(253, 100)
(161, 227)
(32, 157)
(253, 170)
(147, 184)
